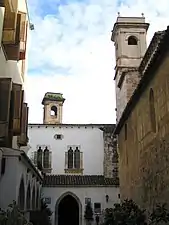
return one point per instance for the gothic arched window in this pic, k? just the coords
(46, 158)
(39, 157)
(152, 110)
(70, 158)
(77, 158)
(53, 111)
(132, 40)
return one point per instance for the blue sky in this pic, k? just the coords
(70, 51)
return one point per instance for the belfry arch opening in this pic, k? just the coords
(53, 111)
(132, 40)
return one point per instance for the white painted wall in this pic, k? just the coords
(89, 138)
(97, 194)
(10, 181)
(8, 184)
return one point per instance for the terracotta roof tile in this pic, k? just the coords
(151, 50)
(78, 180)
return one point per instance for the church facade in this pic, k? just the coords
(79, 162)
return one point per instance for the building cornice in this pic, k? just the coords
(68, 125)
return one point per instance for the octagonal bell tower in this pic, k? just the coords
(53, 108)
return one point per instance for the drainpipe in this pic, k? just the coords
(31, 25)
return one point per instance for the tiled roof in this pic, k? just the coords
(78, 180)
(151, 50)
(51, 96)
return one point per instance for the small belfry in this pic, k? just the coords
(53, 108)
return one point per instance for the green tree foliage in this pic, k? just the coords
(12, 216)
(126, 213)
(129, 213)
(160, 214)
(43, 216)
(88, 212)
(109, 217)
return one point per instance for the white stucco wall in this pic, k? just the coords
(89, 138)
(9, 182)
(97, 195)
(15, 170)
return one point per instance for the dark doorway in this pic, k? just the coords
(68, 211)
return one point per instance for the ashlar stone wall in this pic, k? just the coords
(144, 144)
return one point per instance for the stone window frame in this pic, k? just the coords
(70, 164)
(58, 136)
(42, 155)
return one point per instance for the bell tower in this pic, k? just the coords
(53, 108)
(129, 37)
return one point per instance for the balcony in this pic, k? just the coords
(13, 114)
(14, 35)
(11, 4)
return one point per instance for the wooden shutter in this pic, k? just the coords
(5, 96)
(2, 3)
(18, 95)
(46, 159)
(66, 160)
(23, 138)
(13, 5)
(23, 35)
(50, 159)
(81, 160)
(10, 22)
(12, 48)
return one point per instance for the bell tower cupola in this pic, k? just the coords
(53, 108)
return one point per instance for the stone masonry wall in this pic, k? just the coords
(110, 156)
(124, 93)
(144, 152)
